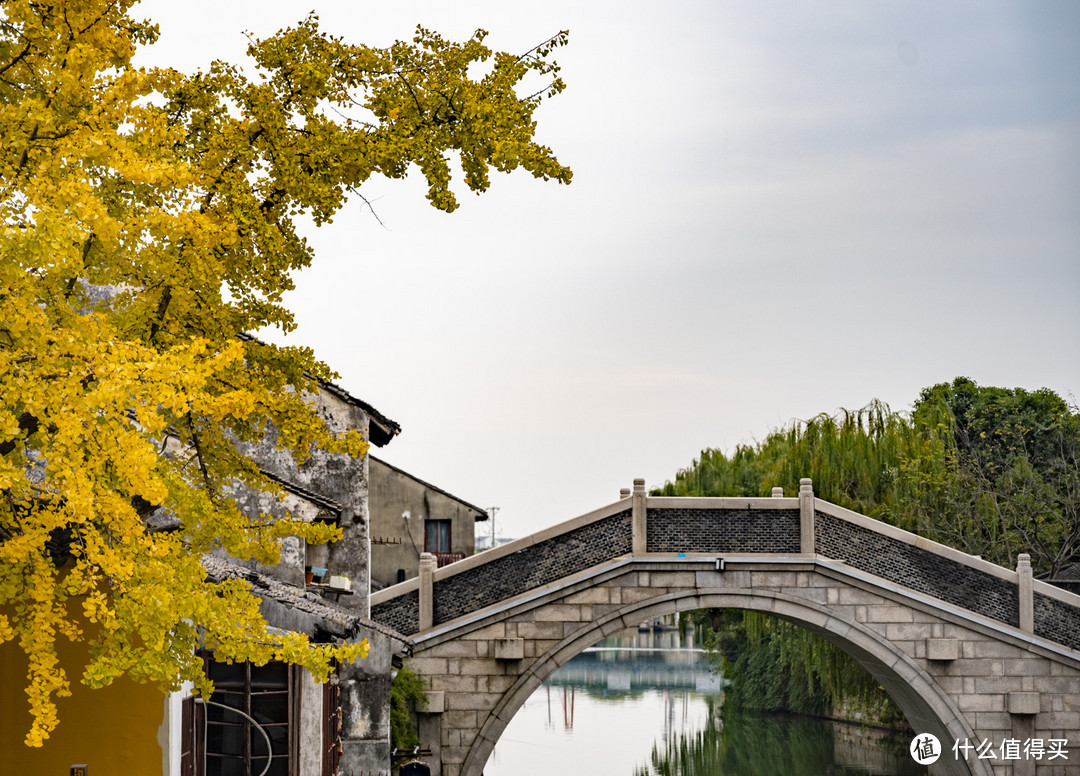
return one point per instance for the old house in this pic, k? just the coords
(311, 729)
(410, 516)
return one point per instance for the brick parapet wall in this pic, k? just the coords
(511, 575)
(1057, 621)
(723, 530)
(737, 526)
(401, 613)
(916, 568)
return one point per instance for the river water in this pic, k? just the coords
(647, 704)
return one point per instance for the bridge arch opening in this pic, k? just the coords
(927, 708)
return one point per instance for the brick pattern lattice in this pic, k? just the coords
(723, 530)
(917, 569)
(1057, 621)
(401, 613)
(512, 575)
(732, 530)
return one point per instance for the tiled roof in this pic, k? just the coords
(1070, 573)
(298, 490)
(328, 616)
(381, 430)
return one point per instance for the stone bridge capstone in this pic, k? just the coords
(969, 650)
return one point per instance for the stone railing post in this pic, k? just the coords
(1027, 596)
(638, 522)
(806, 516)
(624, 493)
(428, 564)
(778, 492)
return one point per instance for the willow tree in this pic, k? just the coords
(148, 220)
(991, 471)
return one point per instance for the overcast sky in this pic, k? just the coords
(778, 209)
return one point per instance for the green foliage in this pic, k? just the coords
(996, 472)
(852, 458)
(406, 694)
(991, 471)
(775, 665)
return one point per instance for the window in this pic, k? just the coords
(218, 739)
(228, 742)
(436, 536)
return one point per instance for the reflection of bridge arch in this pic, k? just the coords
(968, 650)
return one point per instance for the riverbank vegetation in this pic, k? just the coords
(406, 697)
(991, 471)
(752, 743)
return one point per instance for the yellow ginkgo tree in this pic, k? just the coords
(146, 223)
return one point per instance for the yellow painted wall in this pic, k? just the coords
(113, 730)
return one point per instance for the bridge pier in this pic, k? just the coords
(806, 516)
(639, 526)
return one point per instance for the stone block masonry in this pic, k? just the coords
(942, 632)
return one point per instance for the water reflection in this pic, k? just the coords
(647, 704)
(755, 745)
(641, 661)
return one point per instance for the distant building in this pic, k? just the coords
(1068, 578)
(483, 541)
(410, 516)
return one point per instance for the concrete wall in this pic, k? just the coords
(392, 494)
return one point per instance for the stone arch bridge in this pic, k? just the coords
(969, 650)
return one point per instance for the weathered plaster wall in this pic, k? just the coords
(311, 726)
(294, 554)
(365, 685)
(394, 493)
(338, 478)
(365, 702)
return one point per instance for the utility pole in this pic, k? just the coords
(492, 511)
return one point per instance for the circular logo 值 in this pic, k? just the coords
(925, 748)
